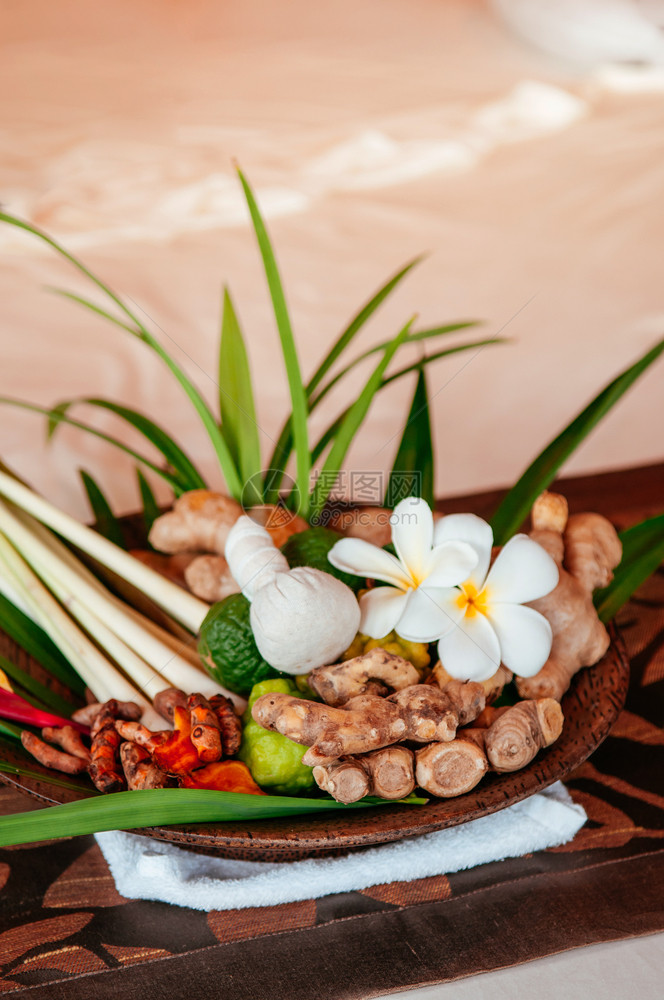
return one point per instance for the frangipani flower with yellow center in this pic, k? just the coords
(419, 575)
(483, 622)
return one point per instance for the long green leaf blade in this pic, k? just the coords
(49, 699)
(44, 779)
(186, 472)
(351, 422)
(157, 807)
(515, 507)
(643, 551)
(297, 390)
(236, 400)
(30, 637)
(151, 509)
(106, 523)
(414, 460)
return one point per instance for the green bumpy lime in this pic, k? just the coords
(228, 648)
(310, 548)
(275, 761)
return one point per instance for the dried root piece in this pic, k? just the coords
(387, 773)
(199, 522)
(209, 578)
(205, 734)
(449, 769)
(166, 700)
(139, 769)
(104, 767)
(374, 672)
(516, 736)
(69, 739)
(230, 726)
(591, 550)
(428, 712)
(367, 723)
(50, 757)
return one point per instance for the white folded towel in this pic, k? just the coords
(149, 869)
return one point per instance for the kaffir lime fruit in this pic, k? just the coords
(310, 548)
(228, 648)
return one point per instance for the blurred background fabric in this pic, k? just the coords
(372, 131)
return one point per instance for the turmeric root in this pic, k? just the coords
(230, 726)
(199, 522)
(173, 752)
(387, 773)
(223, 776)
(69, 739)
(371, 673)
(591, 550)
(449, 769)
(50, 757)
(104, 768)
(166, 700)
(209, 578)
(205, 734)
(515, 737)
(139, 769)
(330, 732)
(120, 709)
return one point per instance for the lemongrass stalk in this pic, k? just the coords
(89, 663)
(178, 671)
(186, 608)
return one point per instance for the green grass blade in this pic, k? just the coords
(157, 807)
(515, 507)
(106, 523)
(47, 779)
(351, 422)
(151, 509)
(81, 300)
(204, 412)
(236, 399)
(414, 459)
(300, 409)
(54, 414)
(10, 731)
(48, 698)
(185, 471)
(31, 638)
(643, 551)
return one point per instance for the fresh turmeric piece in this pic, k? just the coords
(374, 672)
(139, 768)
(387, 773)
(205, 734)
(515, 737)
(587, 553)
(223, 776)
(104, 767)
(173, 752)
(450, 769)
(69, 739)
(50, 757)
(230, 725)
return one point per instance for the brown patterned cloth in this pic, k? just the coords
(66, 933)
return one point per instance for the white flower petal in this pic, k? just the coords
(381, 608)
(412, 534)
(430, 613)
(472, 529)
(354, 555)
(471, 651)
(522, 572)
(449, 564)
(524, 635)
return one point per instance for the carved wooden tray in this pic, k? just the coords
(590, 707)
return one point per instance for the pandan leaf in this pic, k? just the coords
(10, 731)
(106, 523)
(151, 509)
(236, 400)
(643, 551)
(161, 806)
(48, 698)
(295, 383)
(414, 458)
(514, 508)
(351, 423)
(185, 472)
(46, 779)
(30, 637)
(56, 414)
(139, 330)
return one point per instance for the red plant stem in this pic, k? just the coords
(13, 707)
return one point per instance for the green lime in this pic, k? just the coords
(310, 548)
(228, 648)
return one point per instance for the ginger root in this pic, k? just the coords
(371, 524)
(586, 553)
(209, 578)
(199, 522)
(493, 687)
(371, 673)
(514, 738)
(387, 773)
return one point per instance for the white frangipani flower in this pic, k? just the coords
(420, 574)
(484, 622)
